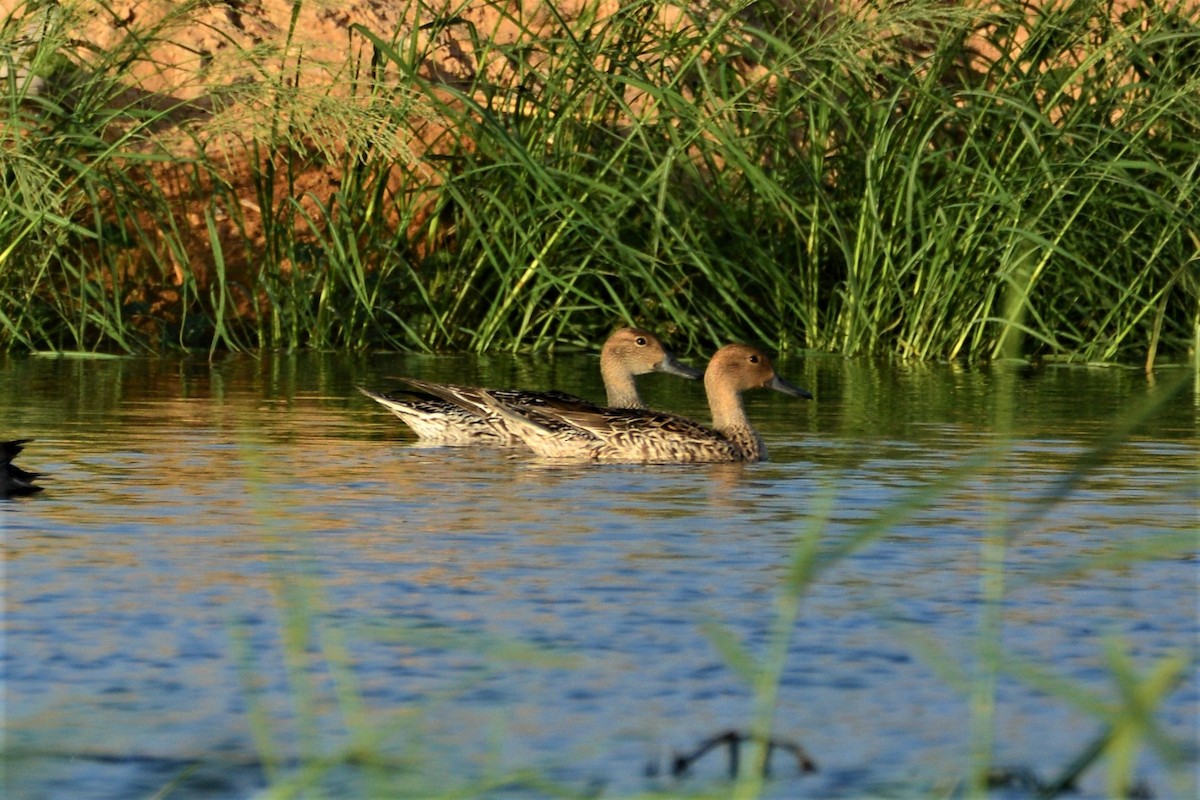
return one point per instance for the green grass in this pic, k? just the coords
(1126, 714)
(317, 729)
(858, 185)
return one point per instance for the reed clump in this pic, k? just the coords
(928, 181)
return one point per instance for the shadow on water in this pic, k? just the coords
(245, 574)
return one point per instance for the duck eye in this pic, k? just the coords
(640, 341)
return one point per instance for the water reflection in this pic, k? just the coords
(226, 551)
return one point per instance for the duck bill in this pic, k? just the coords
(780, 385)
(672, 367)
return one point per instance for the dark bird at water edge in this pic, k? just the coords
(14, 481)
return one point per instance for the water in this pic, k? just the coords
(238, 563)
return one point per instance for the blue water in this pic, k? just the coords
(239, 565)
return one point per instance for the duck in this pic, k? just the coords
(627, 353)
(14, 481)
(639, 435)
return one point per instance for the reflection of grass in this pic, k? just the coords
(332, 736)
(1127, 724)
(328, 740)
(863, 183)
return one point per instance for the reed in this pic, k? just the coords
(915, 180)
(302, 753)
(1126, 720)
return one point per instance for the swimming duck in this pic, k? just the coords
(14, 481)
(627, 353)
(632, 435)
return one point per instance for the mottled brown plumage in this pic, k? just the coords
(634, 435)
(629, 352)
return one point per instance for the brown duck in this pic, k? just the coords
(627, 353)
(632, 435)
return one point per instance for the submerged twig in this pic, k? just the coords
(682, 763)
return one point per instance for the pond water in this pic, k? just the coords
(241, 563)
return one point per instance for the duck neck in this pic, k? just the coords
(620, 386)
(729, 419)
(725, 404)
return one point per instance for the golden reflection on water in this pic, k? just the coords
(185, 494)
(283, 445)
